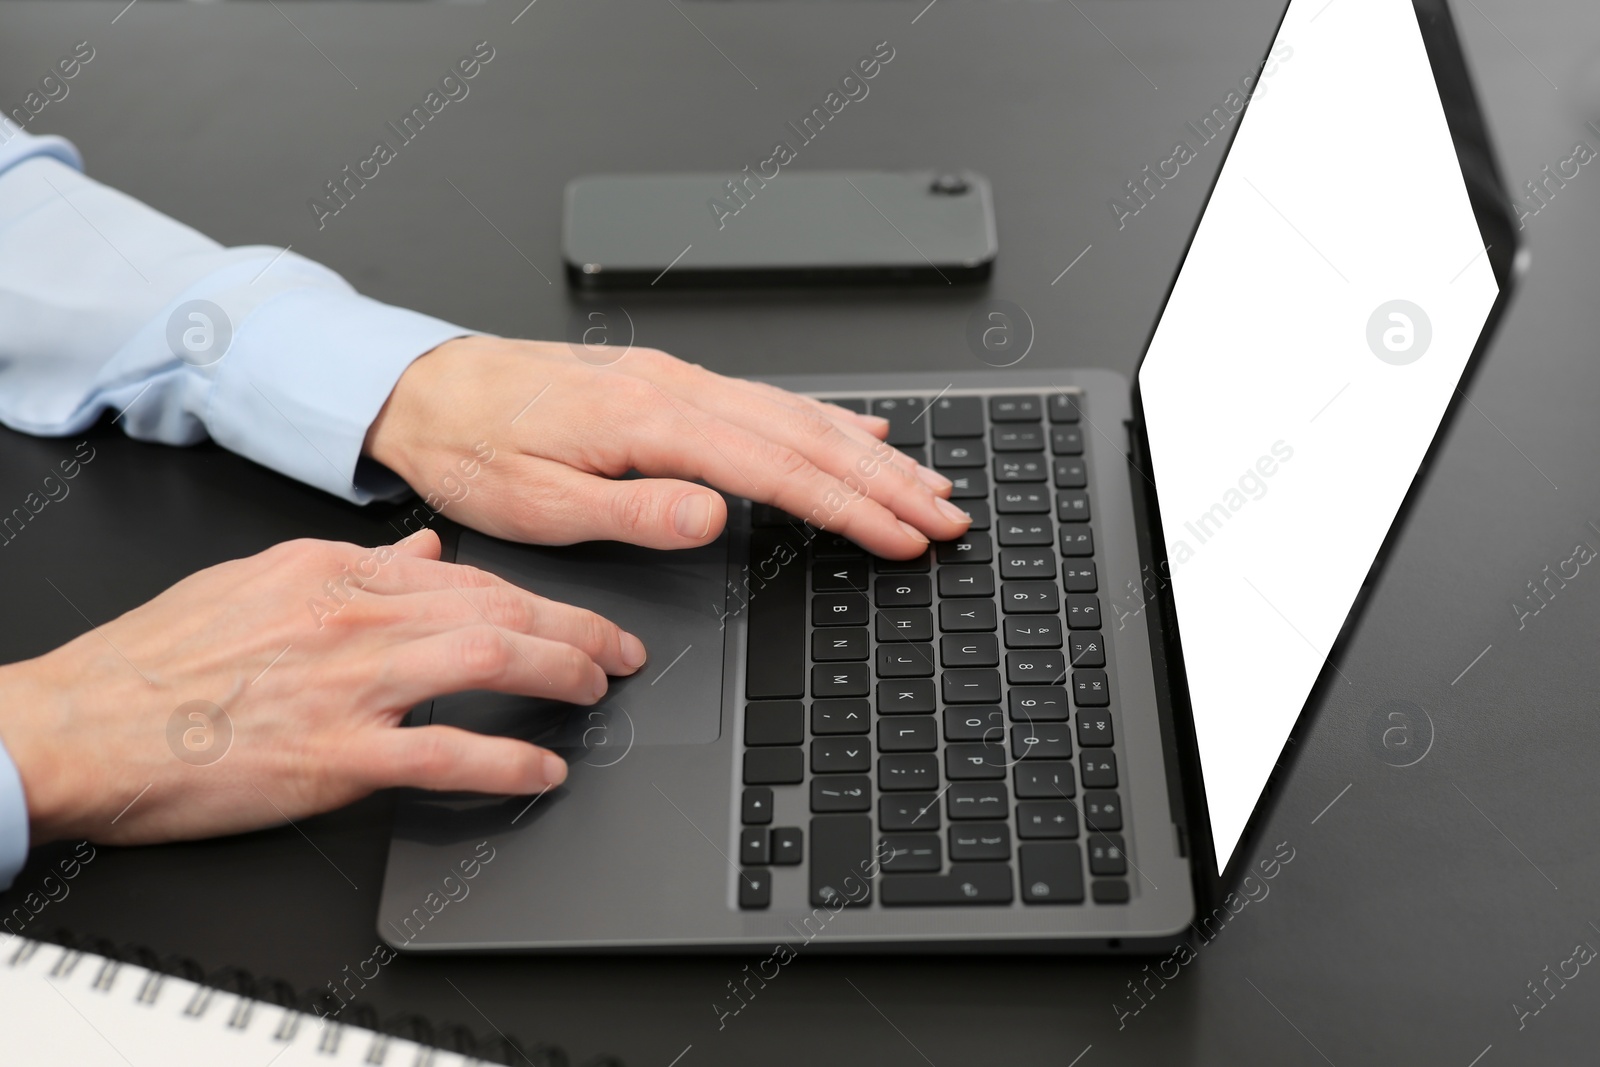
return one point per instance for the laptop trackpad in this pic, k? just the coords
(672, 600)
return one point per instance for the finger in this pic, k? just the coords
(680, 439)
(831, 448)
(485, 656)
(449, 606)
(447, 758)
(423, 544)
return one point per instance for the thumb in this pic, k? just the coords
(448, 758)
(649, 512)
(424, 544)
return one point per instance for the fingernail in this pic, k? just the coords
(933, 479)
(555, 770)
(950, 511)
(633, 653)
(693, 516)
(599, 683)
(913, 533)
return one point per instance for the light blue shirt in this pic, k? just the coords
(283, 362)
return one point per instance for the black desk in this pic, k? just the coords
(1420, 902)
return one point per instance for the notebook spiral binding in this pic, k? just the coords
(250, 992)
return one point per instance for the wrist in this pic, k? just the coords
(29, 706)
(389, 440)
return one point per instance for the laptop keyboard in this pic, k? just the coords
(948, 719)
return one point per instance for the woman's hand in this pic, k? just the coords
(561, 431)
(313, 651)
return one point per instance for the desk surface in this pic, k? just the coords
(1422, 900)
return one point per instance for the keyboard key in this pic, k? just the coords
(975, 580)
(1051, 873)
(833, 609)
(968, 485)
(1066, 441)
(839, 576)
(954, 455)
(1110, 892)
(906, 696)
(965, 883)
(903, 773)
(855, 404)
(914, 565)
(1009, 469)
(1090, 689)
(969, 650)
(966, 616)
(909, 733)
(788, 845)
(774, 766)
(1072, 505)
(1037, 668)
(840, 792)
(1034, 598)
(980, 841)
(1045, 780)
(832, 546)
(905, 624)
(1022, 500)
(1077, 541)
(974, 723)
(977, 800)
(902, 591)
(1064, 407)
(1085, 649)
(1047, 819)
(1024, 531)
(1070, 474)
(909, 811)
(840, 716)
(767, 515)
(916, 454)
(841, 851)
(965, 686)
(753, 847)
(905, 659)
(755, 808)
(957, 416)
(1033, 631)
(909, 852)
(841, 755)
(1107, 855)
(1042, 740)
(1016, 439)
(832, 645)
(839, 680)
(1102, 811)
(775, 722)
(1027, 563)
(1099, 770)
(969, 548)
(1079, 577)
(776, 666)
(755, 889)
(978, 509)
(1094, 727)
(1083, 612)
(907, 424)
(1039, 703)
(1014, 408)
(969, 762)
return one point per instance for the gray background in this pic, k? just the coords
(1418, 905)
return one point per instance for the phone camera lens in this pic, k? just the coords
(948, 185)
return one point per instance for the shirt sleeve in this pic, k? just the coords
(13, 821)
(109, 305)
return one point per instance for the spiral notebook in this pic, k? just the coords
(67, 1006)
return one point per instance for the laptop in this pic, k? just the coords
(1065, 731)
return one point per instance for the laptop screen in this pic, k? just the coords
(1328, 305)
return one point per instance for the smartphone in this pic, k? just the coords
(796, 227)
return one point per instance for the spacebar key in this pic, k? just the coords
(967, 883)
(776, 633)
(841, 859)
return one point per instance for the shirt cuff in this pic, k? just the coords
(305, 376)
(13, 820)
